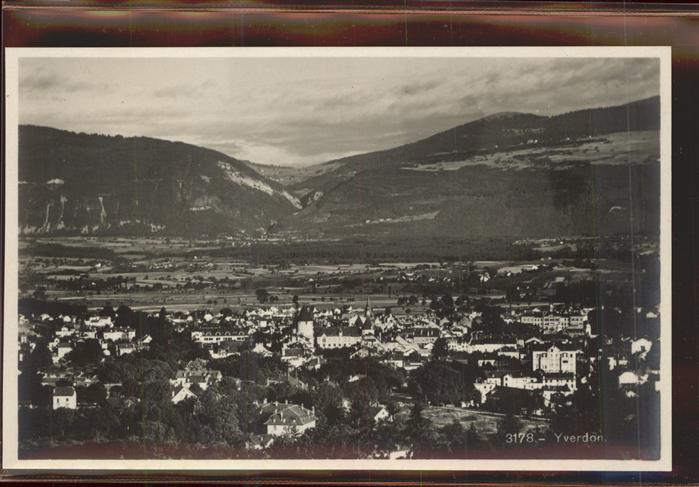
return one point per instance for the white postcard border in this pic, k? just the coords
(10, 459)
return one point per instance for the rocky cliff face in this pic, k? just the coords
(91, 184)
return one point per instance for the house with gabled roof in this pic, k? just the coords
(287, 419)
(125, 347)
(195, 373)
(295, 354)
(563, 379)
(225, 349)
(182, 393)
(379, 412)
(259, 442)
(339, 337)
(65, 397)
(61, 350)
(262, 350)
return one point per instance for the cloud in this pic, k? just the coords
(184, 89)
(298, 111)
(45, 82)
(419, 88)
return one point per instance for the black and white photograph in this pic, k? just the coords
(387, 258)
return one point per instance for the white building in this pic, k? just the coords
(65, 397)
(490, 345)
(182, 393)
(62, 349)
(99, 321)
(484, 388)
(260, 349)
(554, 322)
(641, 346)
(555, 359)
(287, 419)
(521, 382)
(339, 337)
(202, 377)
(65, 331)
(560, 381)
(212, 336)
(630, 378)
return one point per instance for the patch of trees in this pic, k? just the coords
(515, 401)
(262, 295)
(91, 283)
(57, 250)
(407, 300)
(210, 421)
(86, 352)
(413, 433)
(629, 424)
(377, 380)
(440, 382)
(620, 322)
(36, 307)
(249, 366)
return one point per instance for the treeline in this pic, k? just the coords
(89, 283)
(375, 251)
(37, 307)
(57, 250)
(213, 420)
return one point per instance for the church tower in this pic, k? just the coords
(366, 320)
(304, 325)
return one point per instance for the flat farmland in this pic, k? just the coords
(148, 273)
(76, 270)
(153, 301)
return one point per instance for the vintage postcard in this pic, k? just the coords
(371, 258)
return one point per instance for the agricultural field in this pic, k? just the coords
(612, 149)
(148, 273)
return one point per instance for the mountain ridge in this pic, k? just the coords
(522, 175)
(510, 173)
(92, 183)
(558, 126)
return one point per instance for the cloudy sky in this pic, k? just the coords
(299, 111)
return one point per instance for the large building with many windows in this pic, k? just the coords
(339, 337)
(554, 323)
(554, 359)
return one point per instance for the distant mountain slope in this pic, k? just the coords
(590, 172)
(494, 133)
(80, 183)
(289, 175)
(587, 172)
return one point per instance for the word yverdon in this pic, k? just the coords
(584, 438)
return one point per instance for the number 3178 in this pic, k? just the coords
(519, 438)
